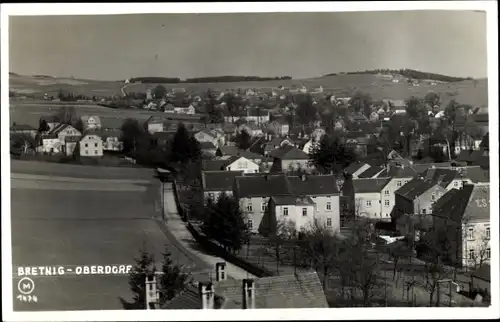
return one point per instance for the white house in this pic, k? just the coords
(64, 130)
(368, 198)
(91, 145)
(290, 209)
(50, 144)
(92, 122)
(207, 136)
(239, 163)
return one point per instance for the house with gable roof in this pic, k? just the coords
(288, 158)
(64, 130)
(91, 122)
(465, 218)
(366, 197)
(216, 183)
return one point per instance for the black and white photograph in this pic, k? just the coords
(240, 157)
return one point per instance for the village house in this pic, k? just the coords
(111, 141)
(413, 205)
(278, 127)
(446, 178)
(298, 211)
(231, 163)
(91, 123)
(230, 151)
(23, 129)
(91, 145)
(188, 109)
(465, 217)
(215, 183)
(398, 177)
(300, 290)
(366, 198)
(50, 144)
(63, 130)
(251, 128)
(154, 124)
(257, 115)
(274, 144)
(287, 158)
(206, 136)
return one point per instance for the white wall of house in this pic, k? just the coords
(68, 131)
(423, 203)
(295, 164)
(50, 145)
(455, 184)
(389, 197)
(205, 137)
(92, 124)
(476, 243)
(301, 215)
(243, 164)
(91, 146)
(327, 211)
(155, 127)
(369, 205)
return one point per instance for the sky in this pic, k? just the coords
(301, 45)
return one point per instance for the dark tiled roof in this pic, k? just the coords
(189, 299)
(292, 200)
(213, 165)
(441, 176)
(303, 290)
(207, 146)
(443, 201)
(370, 172)
(73, 138)
(476, 174)
(469, 204)
(314, 185)
(463, 156)
(219, 180)
(415, 188)
(59, 128)
(485, 143)
(288, 152)
(398, 172)
(369, 185)
(229, 150)
(265, 186)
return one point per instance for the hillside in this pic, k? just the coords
(379, 87)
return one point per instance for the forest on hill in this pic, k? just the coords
(408, 73)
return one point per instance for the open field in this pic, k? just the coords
(466, 92)
(28, 113)
(67, 221)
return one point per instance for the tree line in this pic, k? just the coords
(214, 79)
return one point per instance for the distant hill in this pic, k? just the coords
(408, 73)
(471, 92)
(215, 79)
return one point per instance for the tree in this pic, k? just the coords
(225, 223)
(214, 115)
(173, 279)
(79, 125)
(322, 248)
(432, 99)
(22, 142)
(132, 135)
(159, 91)
(306, 111)
(397, 251)
(43, 126)
(415, 108)
(184, 147)
(67, 115)
(361, 103)
(144, 267)
(331, 155)
(243, 140)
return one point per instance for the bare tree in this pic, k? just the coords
(482, 253)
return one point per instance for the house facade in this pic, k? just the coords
(91, 145)
(299, 211)
(111, 141)
(50, 144)
(205, 136)
(367, 194)
(243, 164)
(64, 130)
(92, 122)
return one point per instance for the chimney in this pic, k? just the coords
(248, 294)
(220, 271)
(207, 295)
(152, 295)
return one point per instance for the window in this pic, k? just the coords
(211, 195)
(328, 206)
(433, 197)
(455, 184)
(249, 207)
(329, 222)
(250, 223)
(304, 212)
(399, 183)
(386, 202)
(471, 253)
(386, 192)
(488, 232)
(86, 145)
(368, 203)
(95, 152)
(95, 144)
(488, 253)
(424, 211)
(264, 206)
(285, 211)
(470, 233)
